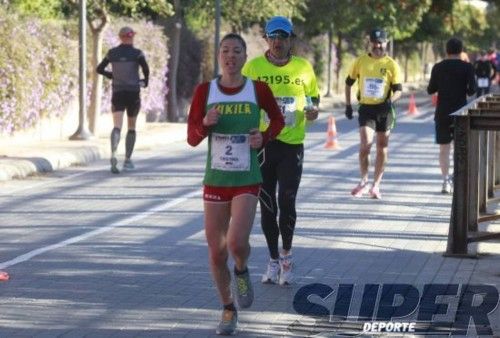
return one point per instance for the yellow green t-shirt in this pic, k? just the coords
(290, 85)
(375, 77)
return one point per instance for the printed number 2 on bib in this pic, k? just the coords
(230, 152)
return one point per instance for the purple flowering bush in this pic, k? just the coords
(38, 71)
(39, 68)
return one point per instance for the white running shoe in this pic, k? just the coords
(447, 188)
(286, 266)
(273, 271)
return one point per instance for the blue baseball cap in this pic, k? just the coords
(279, 23)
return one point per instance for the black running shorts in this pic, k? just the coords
(129, 101)
(376, 119)
(444, 130)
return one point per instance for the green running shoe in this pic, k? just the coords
(243, 290)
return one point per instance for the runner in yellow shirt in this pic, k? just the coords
(293, 83)
(379, 86)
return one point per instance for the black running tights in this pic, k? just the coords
(281, 167)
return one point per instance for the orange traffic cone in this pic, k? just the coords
(4, 276)
(331, 134)
(412, 107)
(434, 99)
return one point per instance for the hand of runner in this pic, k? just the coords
(311, 113)
(255, 139)
(143, 83)
(212, 117)
(388, 104)
(348, 111)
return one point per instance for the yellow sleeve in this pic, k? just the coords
(354, 72)
(311, 88)
(397, 78)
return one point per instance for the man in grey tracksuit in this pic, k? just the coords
(125, 60)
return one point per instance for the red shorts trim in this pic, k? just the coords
(226, 194)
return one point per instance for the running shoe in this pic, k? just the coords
(359, 190)
(228, 323)
(286, 265)
(114, 165)
(128, 164)
(273, 272)
(447, 187)
(243, 290)
(375, 192)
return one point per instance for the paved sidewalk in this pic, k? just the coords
(21, 159)
(24, 158)
(30, 157)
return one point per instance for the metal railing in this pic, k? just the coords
(476, 164)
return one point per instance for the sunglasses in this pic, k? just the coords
(278, 36)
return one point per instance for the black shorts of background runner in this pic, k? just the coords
(444, 130)
(378, 117)
(126, 100)
(281, 165)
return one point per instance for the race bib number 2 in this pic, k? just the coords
(230, 152)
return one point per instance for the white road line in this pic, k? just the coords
(93, 233)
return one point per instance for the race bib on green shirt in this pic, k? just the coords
(230, 152)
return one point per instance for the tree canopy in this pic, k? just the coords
(239, 14)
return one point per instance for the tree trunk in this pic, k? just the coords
(423, 58)
(339, 62)
(407, 58)
(172, 106)
(329, 74)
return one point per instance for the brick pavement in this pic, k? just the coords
(339, 240)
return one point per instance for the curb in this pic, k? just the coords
(43, 157)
